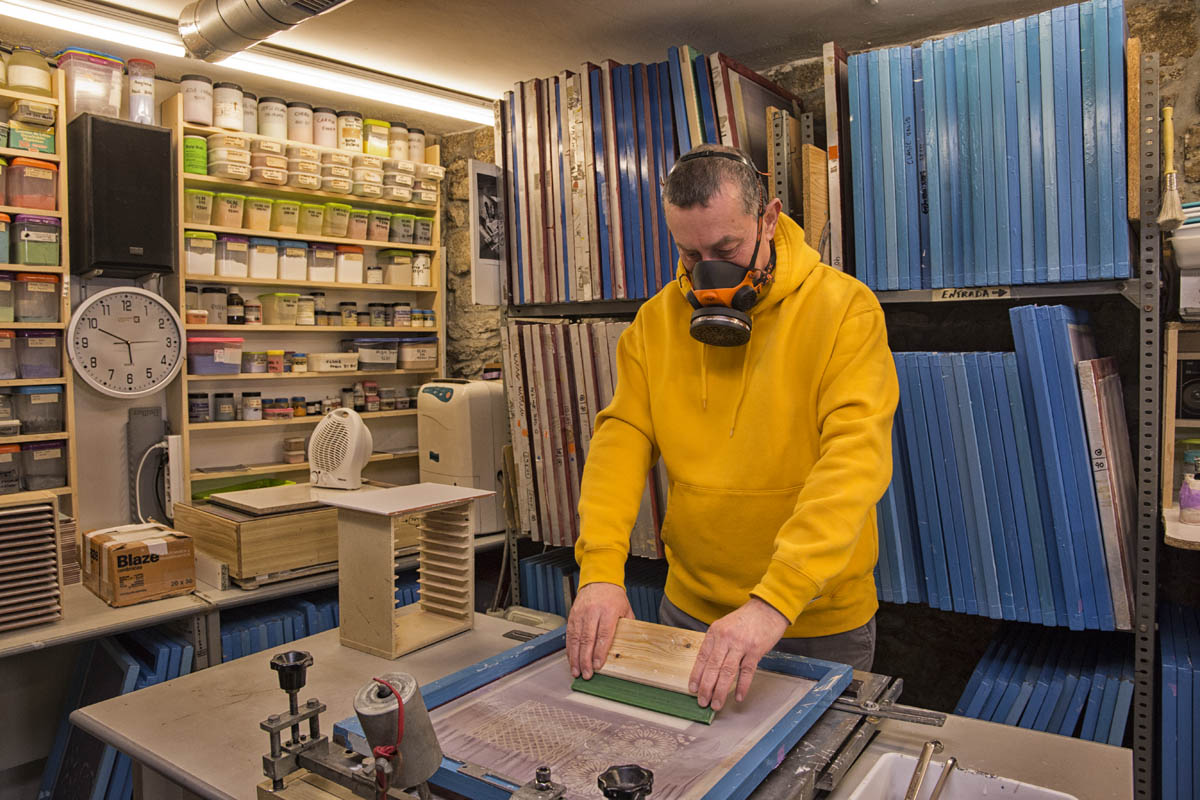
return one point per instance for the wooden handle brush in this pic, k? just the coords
(1170, 215)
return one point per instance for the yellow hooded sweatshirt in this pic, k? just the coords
(777, 451)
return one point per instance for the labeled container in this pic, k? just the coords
(197, 91)
(32, 183)
(402, 228)
(293, 260)
(254, 362)
(375, 137)
(5, 237)
(39, 354)
(304, 180)
(423, 230)
(264, 258)
(36, 240)
(337, 219)
(229, 210)
(256, 214)
(9, 368)
(322, 263)
(233, 256)
(375, 354)
(141, 90)
(400, 166)
(306, 311)
(401, 314)
(367, 161)
(349, 264)
(318, 300)
(337, 158)
(195, 155)
(252, 406)
(274, 361)
(228, 141)
(40, 408)
(325, 132)
(416, 145)
(199, 253)
(306, 165)
(427, 197)
(300, 122)
(397, 194)
(398, 141)
(336, 185)
(430, 172)
(332, 362)
(94, 82)
(7, 298)
(249, 112)
(379, 225)
(369, 190)
(32, 112)
(270, 147)
(227, 169)
(356, 228)
(224, 409)
(379, 314)
(404, 179)
(198, 206)
(37, 297)
(253, 312)
(350, 131)
(272, 160)
(418, 352)
(279, 308)
(348, 312)
(44, 465)
(269, 175)
(299, 362)
(272, 117)
(336, 171)
(215, 300)
(191, 296)
(303, 152)
(28, 72)
(214, 355)
(199, 409)
(312, 219)
(397, 266)
(196, 316)
(235, 308)
(227, 106)
(285, 216)
(374, 274)
(422, 269)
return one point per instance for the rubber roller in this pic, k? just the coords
(376, 709)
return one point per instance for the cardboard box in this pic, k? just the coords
(34, 138)
(136, 563)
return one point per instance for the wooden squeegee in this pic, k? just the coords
(648, 666)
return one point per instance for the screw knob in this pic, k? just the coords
(541, 778)
(292, 667)
(629, 782)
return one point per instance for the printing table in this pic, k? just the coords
(198, 736)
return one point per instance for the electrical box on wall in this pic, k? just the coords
(121, 191)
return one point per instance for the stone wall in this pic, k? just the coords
(473, 332)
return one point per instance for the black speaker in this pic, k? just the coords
(1188, 400)
(121, 194)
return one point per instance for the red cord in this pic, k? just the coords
(388, 751)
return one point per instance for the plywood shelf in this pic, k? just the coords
(13, 94)
(270, 469)
(34, 382)
(299, 237)
(35, 437)
(193, 181)
(33, 326)
(41, 212)
(305, 420)
(343, 329)
(30, 268)
(298, 376)
(16, 152)
(349, 287)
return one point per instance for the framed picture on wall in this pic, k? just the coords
(487, 232)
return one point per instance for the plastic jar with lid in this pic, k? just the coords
(285, 216)
(32, 183)
(224, 409)
(312, 219)
(279, 308)
(293, 260)
(398, 141)
(229, 210)
(252, 408)
(275, 361)
(299, 362)
(213, 299)
(322, 263)
(337, 219)
(423, 230)
(253, 312)
(397, 266)
(401, 314)
(374, 274)
(40, 408)
(235, 308)
(272, 117)
(37, 297)
(200, 255)
(29, 72)
(264, 258)
(256, 215)
(300, 122)
(197, 91)
(195, 155)
(227, 106)
(319, 301)
(349, 264)
(375, 137)
(356, 228)
(249, 112)
(325, 130)
(416, 145)
(421, 269)
(141, 90)
(198, 407)
(198, 206)
(350, 131)
(306, 310)
(378, 312)
(233, 256)
(36, 240)
(349, 312)
(379, 225)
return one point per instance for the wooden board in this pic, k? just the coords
(816, 197)
(400, 500)
(305, 785)
(653, 655)
(1133, 116)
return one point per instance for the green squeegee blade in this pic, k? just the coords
(664, 701)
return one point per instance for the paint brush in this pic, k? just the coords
(1170, 215)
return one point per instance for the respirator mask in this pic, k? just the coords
(722, 293)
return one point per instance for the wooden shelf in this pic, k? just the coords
(307, 328)
(35, 437)
(306, 420)
(15, 152)
(193, 181)
(13, 94)
(34, 382)
(349, 287)
(41, 212)
(298, 376)
(33, 326)
(270, 469)
(35, 496)
(299, 237)
(30, 268)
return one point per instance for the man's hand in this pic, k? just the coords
(731, 650)
(592, 625)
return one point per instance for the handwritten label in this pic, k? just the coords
(39, 399)
(201, 244)
(43, 455)
(48, 341)
(39, 236)
(40, 286)
(974, 293)
(236, 247)
(6, 344)
(223, 355)
(5, 458)
(39, 173)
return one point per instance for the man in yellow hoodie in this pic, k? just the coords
(777, 449)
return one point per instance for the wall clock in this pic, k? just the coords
(125, 342)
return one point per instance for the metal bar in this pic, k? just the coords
(1149, 411)
(807, 129)
(1026, 292)
(780, 163)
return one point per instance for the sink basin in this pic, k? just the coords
(888, 780)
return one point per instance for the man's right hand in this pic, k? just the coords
(592, 625)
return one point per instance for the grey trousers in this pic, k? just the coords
(854, 647)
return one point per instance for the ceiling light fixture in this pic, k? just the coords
(110, 28)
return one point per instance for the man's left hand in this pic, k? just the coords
(731, 650)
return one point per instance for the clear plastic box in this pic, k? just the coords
(304, 180)
(39, 354)
(372, 190)
(8, 356)
(10, 468)
(37, 297)
(40, 408)
(32, 183)
(233, 256)
(7, 293)
(226, 169)
(285, 216)
(279, 308)
(264, 258)
(293, 260)
(322, 263)
(44, 465)
(270, 175)
(214, 355)
(94, 82)
(374, 354)
(200, 255)
(36, 241)
(336, 185)
(198, 206)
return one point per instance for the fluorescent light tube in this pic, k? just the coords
(96, 26)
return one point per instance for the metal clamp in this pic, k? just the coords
(874, 711)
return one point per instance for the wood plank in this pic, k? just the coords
(649, 697)
(1133, 117)
(816, 195)
(1170, 379)
(653, 655)
(304, 785)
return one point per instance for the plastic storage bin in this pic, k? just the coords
(40, 408)
(7, 295)
(29, 72)
(272, 160)
(94, 82)
(322, 263)
(44, 465)
(349, 264)
(37, 297)
(272, 147)
(312, 219)
(229, 210)
(10, 468)
(397, 266)
(369, 190)
(379, 226)
(269, 175)
(359, 221)
(232, 141)
(332, 362)
(279, 308)
(234, 155)
(402, 228)
(31, 183)
(39, 354)
(336, 185)
(293, 260)
(423, 230)
(36, 241)
(374, 353)
(399, 194)
(195, 155)
(8, 355)
(304, 180)
(214, 355)
(200, 255)
(233, 256)
(198, 206)
(337, 219)
(418, 352)
(256, 215)
(264, 258)
(224, 169)
(285, 216)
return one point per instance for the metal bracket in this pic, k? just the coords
(807, 126)
(874, 712)
(1131, 290)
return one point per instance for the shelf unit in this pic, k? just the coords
(67, 500)
(394, 431)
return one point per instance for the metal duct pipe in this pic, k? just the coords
(216, 29)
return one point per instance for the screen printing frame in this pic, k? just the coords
(765, 755)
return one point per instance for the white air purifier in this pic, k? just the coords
(338, 451)
(462, 427)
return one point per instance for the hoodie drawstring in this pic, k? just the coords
(704, 377)
(741, 390)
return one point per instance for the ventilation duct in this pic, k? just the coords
(216, 29)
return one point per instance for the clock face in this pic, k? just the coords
(126, 342)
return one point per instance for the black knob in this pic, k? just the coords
(629, 782)
(292, 667)
(541, 778)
